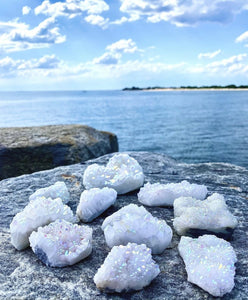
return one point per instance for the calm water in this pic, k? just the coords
(192, 126)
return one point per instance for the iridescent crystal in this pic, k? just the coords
(209, 263)
(164, 194)
(127, 268)
(135, 224)
(211, 214)
(61, 243)
(57, 190)
(94, 202)
(122, 173)
(38, 212)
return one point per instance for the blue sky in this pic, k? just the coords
(97, 44)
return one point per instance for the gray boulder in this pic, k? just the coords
(25, 150)
(24, 276)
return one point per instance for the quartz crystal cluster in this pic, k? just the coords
(38, 212)
(94, 202)
(135, 224)
(164, 194)
(209, 263)
(211, 214)
(57, 190)
(61, 243)
(127, 268)
(122, 173)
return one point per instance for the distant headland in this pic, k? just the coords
(189, 87)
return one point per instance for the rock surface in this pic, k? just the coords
(23, 275)
(25, 150)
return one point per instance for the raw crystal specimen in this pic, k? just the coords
(197, 217)
(122, 173)
(94, 202)
(126, 268)
(57, 190)
(61, 243)
(135, 224)
(38, 212)
(209, 263)
(164, 194)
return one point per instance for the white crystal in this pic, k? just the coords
(164, 194)
(57, 190)
(209, 263)
(38, 212)
(122, 173)
(61, 243)
(94, 202)
(135, 224)
(211, 214)
(127, 268)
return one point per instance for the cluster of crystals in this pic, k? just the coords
(38, 212)
(209, 263)
(127, 268)
(135, 224)
(122, 173)
(164, 194)
(211, 214)
(61, 243)
(94, 202)
(57, 190)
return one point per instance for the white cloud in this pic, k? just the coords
(242, 38)
(107, 59)
(71, 8)
(123, 46)
(26, 10)
(15, 68)
(209, 54)
(97, 20)
(18, 36)
(184, 13)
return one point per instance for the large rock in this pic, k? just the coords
(23, 276)
(30, 149)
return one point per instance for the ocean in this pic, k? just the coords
(191, 126)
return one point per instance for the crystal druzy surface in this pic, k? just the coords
(209, 263)
(164, 194)
(38, 212)
(94, 202)
(127, 268)
(61, 243)
(122, 173)
(57, 190)
(211, 214)
(135, 224)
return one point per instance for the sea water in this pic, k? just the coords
(191, 126)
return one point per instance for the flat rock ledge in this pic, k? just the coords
(24, 150)
(23, 276)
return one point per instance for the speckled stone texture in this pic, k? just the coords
(24, 150)
(24, 276)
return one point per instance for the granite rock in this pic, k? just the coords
(24, 276)
(25, 150)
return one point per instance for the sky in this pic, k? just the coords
(97, 44)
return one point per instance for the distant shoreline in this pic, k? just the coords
(231, 87)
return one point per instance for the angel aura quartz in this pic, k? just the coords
(57, 190)
(61, 243)
(94, 202)
(38, 212)
(126, 268)
(135, 224)
(209, 263)
(164, 194)
(197, 217)
(122, 173)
